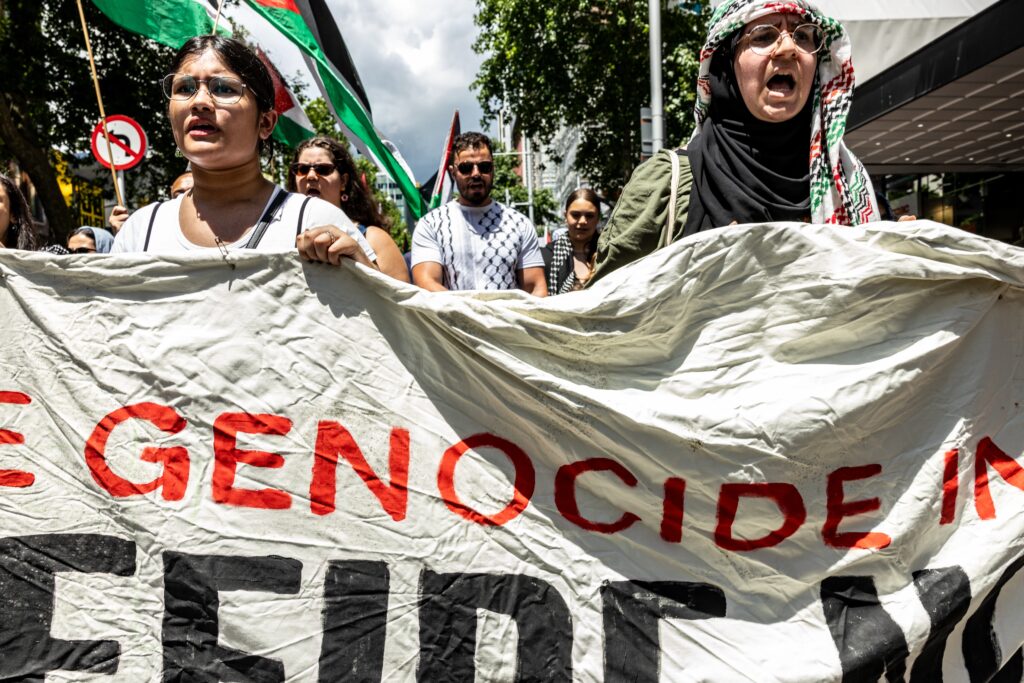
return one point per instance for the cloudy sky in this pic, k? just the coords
(416, 62)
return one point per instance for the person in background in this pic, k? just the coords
(775, 86)
(474, 242)
(17, 231)
(569, 260)
(323, 168)
(182, 184)
(221, 110)
(89, 240)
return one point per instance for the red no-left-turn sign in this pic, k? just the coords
(127, 142)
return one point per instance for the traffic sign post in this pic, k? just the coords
(127, 143)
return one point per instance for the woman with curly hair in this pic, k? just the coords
(323, 168)
(17, 231)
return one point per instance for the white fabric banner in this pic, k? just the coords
(767, 453)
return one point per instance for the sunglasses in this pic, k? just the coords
(223, 89)
(485, 167)
(321, 169)
(83, 250)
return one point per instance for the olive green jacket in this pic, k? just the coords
(641, 214)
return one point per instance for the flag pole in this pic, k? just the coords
(99, 98)
(216, 22)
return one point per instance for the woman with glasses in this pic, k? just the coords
(773, 94)
(221, 109)
(323, 168)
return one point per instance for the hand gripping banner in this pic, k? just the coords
(769, 453)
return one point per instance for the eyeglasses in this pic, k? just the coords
(485, 167)
(223, 89)
(83, 250)
(808, 38)
(321, 169)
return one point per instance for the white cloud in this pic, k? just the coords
(416, 62)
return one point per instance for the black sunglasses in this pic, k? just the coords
(83, 250)
(321, 169)
(466, 167)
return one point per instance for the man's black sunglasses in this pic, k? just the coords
(466, 167)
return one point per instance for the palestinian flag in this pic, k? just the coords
(310, 25)
(293, 126)
(443, 179)
(169, 22)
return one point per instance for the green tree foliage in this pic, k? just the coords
(48, 103)
(505, 178)
(585, 64)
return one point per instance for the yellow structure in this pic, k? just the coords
(83, 197)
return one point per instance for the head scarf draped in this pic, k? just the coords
(103, 238)
(840, 190)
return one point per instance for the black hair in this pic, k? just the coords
(587, 195)
(21, 233)
(471, 140)
(360, 205)
(238, 57)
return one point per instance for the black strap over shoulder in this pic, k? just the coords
(265, 220)
(302, 214)
(149, 230)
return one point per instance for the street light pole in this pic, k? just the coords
(657, 107)
(528, 159)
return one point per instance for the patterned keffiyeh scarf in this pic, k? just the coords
(561, 265)
(841, 191)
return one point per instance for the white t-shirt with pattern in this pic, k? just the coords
(477, 247)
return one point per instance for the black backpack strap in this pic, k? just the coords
(149, 230)
(265, 220)
(302, 214)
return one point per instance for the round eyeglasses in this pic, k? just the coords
(763, 39)
(223, 89)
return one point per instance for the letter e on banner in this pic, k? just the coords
(14, 478)
(174, 477)
(525, 480)
(837, 508)
(227, 456)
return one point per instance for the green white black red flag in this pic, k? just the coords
(169, 22)
(443, 179)
(310, 25)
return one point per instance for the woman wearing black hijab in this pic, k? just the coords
(774, 90)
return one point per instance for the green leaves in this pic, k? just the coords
(46, 82)
(585, 64)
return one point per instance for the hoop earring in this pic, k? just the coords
(344, 198)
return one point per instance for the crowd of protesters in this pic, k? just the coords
(772, 82)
